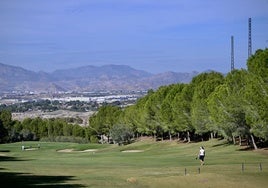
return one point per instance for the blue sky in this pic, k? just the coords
(151, 35)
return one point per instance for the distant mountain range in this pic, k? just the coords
(87, 78)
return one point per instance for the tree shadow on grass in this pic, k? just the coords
(221, 144)
(246, 148)
(4, 150)
(14, 179)
(8, 158)
(17, 179)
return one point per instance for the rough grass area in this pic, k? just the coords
(157, 164)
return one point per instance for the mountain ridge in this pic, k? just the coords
(86, 78)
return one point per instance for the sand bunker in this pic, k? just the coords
(30, 149)
(72, 150)
(65, 150)
(132, 151)
(94, 150)
(89, 150)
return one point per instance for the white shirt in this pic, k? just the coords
(202, 152)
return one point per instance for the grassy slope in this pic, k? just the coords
(162, 164)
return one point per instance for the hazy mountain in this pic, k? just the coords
(110, 71)
(11, 77)
(15, 74)
(170, 78)
(87, 78)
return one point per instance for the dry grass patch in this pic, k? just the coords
(132, 180)
(262, 151)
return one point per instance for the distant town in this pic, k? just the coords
(99, 97)
(74, 107)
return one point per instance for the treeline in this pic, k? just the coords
(232, 106)
(49, 106)
(39, 129)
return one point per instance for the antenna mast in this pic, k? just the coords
(249, 38)
(232, 53)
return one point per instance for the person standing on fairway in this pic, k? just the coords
(201, 155)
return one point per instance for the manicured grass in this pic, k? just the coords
(157, 164)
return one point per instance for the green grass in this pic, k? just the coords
(161, 164)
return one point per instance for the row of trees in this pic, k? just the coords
(49, 106)
(37, 128)
(212, 104)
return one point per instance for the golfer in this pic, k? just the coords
(201, 155)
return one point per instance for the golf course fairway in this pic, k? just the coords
(144, 163)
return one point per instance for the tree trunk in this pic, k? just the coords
(170, 137)
(234, 140)
(240, 141)
(188, 137)
(211, 135)
(101, 139)
(179, 136)
(253, 142)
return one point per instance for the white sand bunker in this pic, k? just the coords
(89, 150)
(30, 149)
(132, 151)
(1, 154)
(66, 150)
(72, 150)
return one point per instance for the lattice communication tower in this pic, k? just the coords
(232, 53)
(249, 38)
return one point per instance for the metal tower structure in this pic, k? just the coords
(249, 38)
(232, 53)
